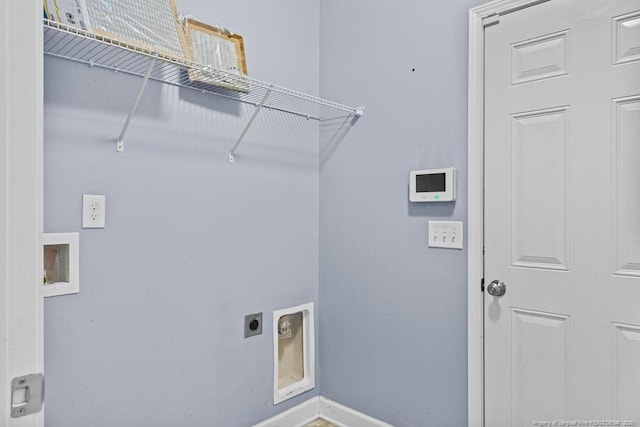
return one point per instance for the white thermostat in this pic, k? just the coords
(432, 185)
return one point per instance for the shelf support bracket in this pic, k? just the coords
(120, 141)
(246, 128)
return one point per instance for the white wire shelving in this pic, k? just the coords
(95, 50)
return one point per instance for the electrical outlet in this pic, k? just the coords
(93, 211)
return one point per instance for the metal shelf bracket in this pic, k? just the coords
(249, 123)
(132, 111)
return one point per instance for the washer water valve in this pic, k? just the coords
(284, 327)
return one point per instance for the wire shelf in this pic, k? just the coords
(85, 47)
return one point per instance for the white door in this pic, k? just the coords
(20, 204)
(562, 214)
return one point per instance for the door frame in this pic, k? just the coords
(479, 17)
(21, 200)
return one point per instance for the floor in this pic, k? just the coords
(320, 423)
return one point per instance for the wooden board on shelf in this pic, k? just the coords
(150, 24)
(218, 49)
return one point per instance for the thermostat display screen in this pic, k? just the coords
(430, 183)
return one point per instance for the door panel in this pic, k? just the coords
(626, 38)
(540, 58)
(626, 386)
(626, 128)
(539, 135)
(562, 213)
(540, 354)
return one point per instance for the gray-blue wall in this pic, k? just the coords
(393, 340)
(191, 244)
(307, 213)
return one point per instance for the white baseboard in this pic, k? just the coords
(297, 416)
(344, 416)
(320, 407)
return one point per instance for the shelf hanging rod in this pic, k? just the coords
(120, 141)
(246, 128)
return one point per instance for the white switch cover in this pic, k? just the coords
(93, 211)
(445, 234)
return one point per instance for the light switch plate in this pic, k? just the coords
(445, 234)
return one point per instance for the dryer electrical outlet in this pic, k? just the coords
(445, 234)
(252, 325)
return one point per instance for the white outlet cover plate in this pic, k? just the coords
(93, 211)
(445, 234)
